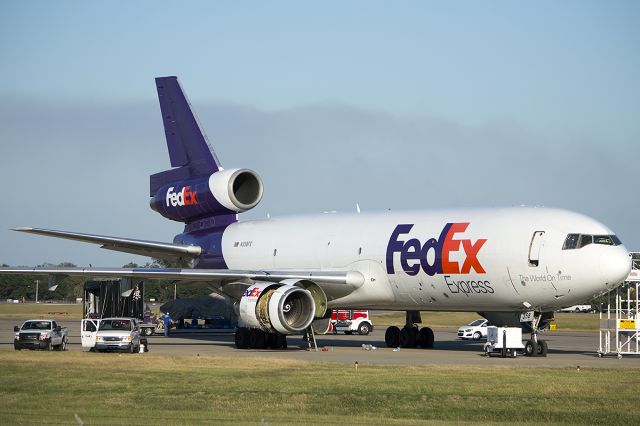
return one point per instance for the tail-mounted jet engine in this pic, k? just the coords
(223, 192)
(287, 308)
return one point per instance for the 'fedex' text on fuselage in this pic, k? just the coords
(413, 254)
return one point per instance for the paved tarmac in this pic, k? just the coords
(566, 349)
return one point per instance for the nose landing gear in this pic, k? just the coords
(534, 346)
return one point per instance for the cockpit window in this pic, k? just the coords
(571, 242)
(603, 239)
(585, 240)
(576, 241)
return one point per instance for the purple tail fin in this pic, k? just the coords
(189, 150)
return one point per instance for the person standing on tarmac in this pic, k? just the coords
(166, 319)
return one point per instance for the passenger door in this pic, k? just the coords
(88, 330)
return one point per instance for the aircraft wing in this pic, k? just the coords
(227, 281)
(140, 247)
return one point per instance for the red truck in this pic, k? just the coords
(350, 321)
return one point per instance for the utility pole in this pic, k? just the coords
(37, 284)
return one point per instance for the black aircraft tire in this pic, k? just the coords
(257, 338)
(392, 337)
(531, 348)
(275, 341)
(408, 337)
(426, 338)
(542, 348)
(242, 338)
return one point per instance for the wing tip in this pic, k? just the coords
(23, 229)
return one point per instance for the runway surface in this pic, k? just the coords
(566, 349)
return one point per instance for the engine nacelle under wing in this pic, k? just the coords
(286, 309)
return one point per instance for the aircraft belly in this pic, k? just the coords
(454, 292)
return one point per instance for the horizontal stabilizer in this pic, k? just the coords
(154, 249)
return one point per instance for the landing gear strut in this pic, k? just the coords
(410, 336)
(535, 346)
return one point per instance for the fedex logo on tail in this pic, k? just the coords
(414, 254)
(186, 197)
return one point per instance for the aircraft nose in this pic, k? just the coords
(615, 266)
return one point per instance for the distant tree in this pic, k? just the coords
(70, 288)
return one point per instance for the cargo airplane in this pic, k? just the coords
(514, 266)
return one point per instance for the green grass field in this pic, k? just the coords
(32, 310)
(566, 322)
(51, 387)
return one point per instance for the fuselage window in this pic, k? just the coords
(571, 242)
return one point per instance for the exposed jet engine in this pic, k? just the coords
(283, 308)
(223, 192)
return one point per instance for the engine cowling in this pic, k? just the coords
(286, 309)
(224, 192)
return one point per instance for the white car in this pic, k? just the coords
(578, 308)
(475, 330)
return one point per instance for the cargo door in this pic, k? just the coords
(535, 247)
(88, 330)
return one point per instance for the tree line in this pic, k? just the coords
(23, 287)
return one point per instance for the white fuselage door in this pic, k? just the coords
(88, 330)
(537, 241)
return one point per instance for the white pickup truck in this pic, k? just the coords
(40, 334)
(111, 334)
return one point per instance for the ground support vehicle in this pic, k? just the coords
(118, 298)
(351, 321)
(147, 329)
(506, 341)
(40, 334)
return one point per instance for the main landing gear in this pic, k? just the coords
(410, 336)
(535, 346)
(254, 338)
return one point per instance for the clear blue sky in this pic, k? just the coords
(540, 100)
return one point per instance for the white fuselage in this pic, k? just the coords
(507, 259)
